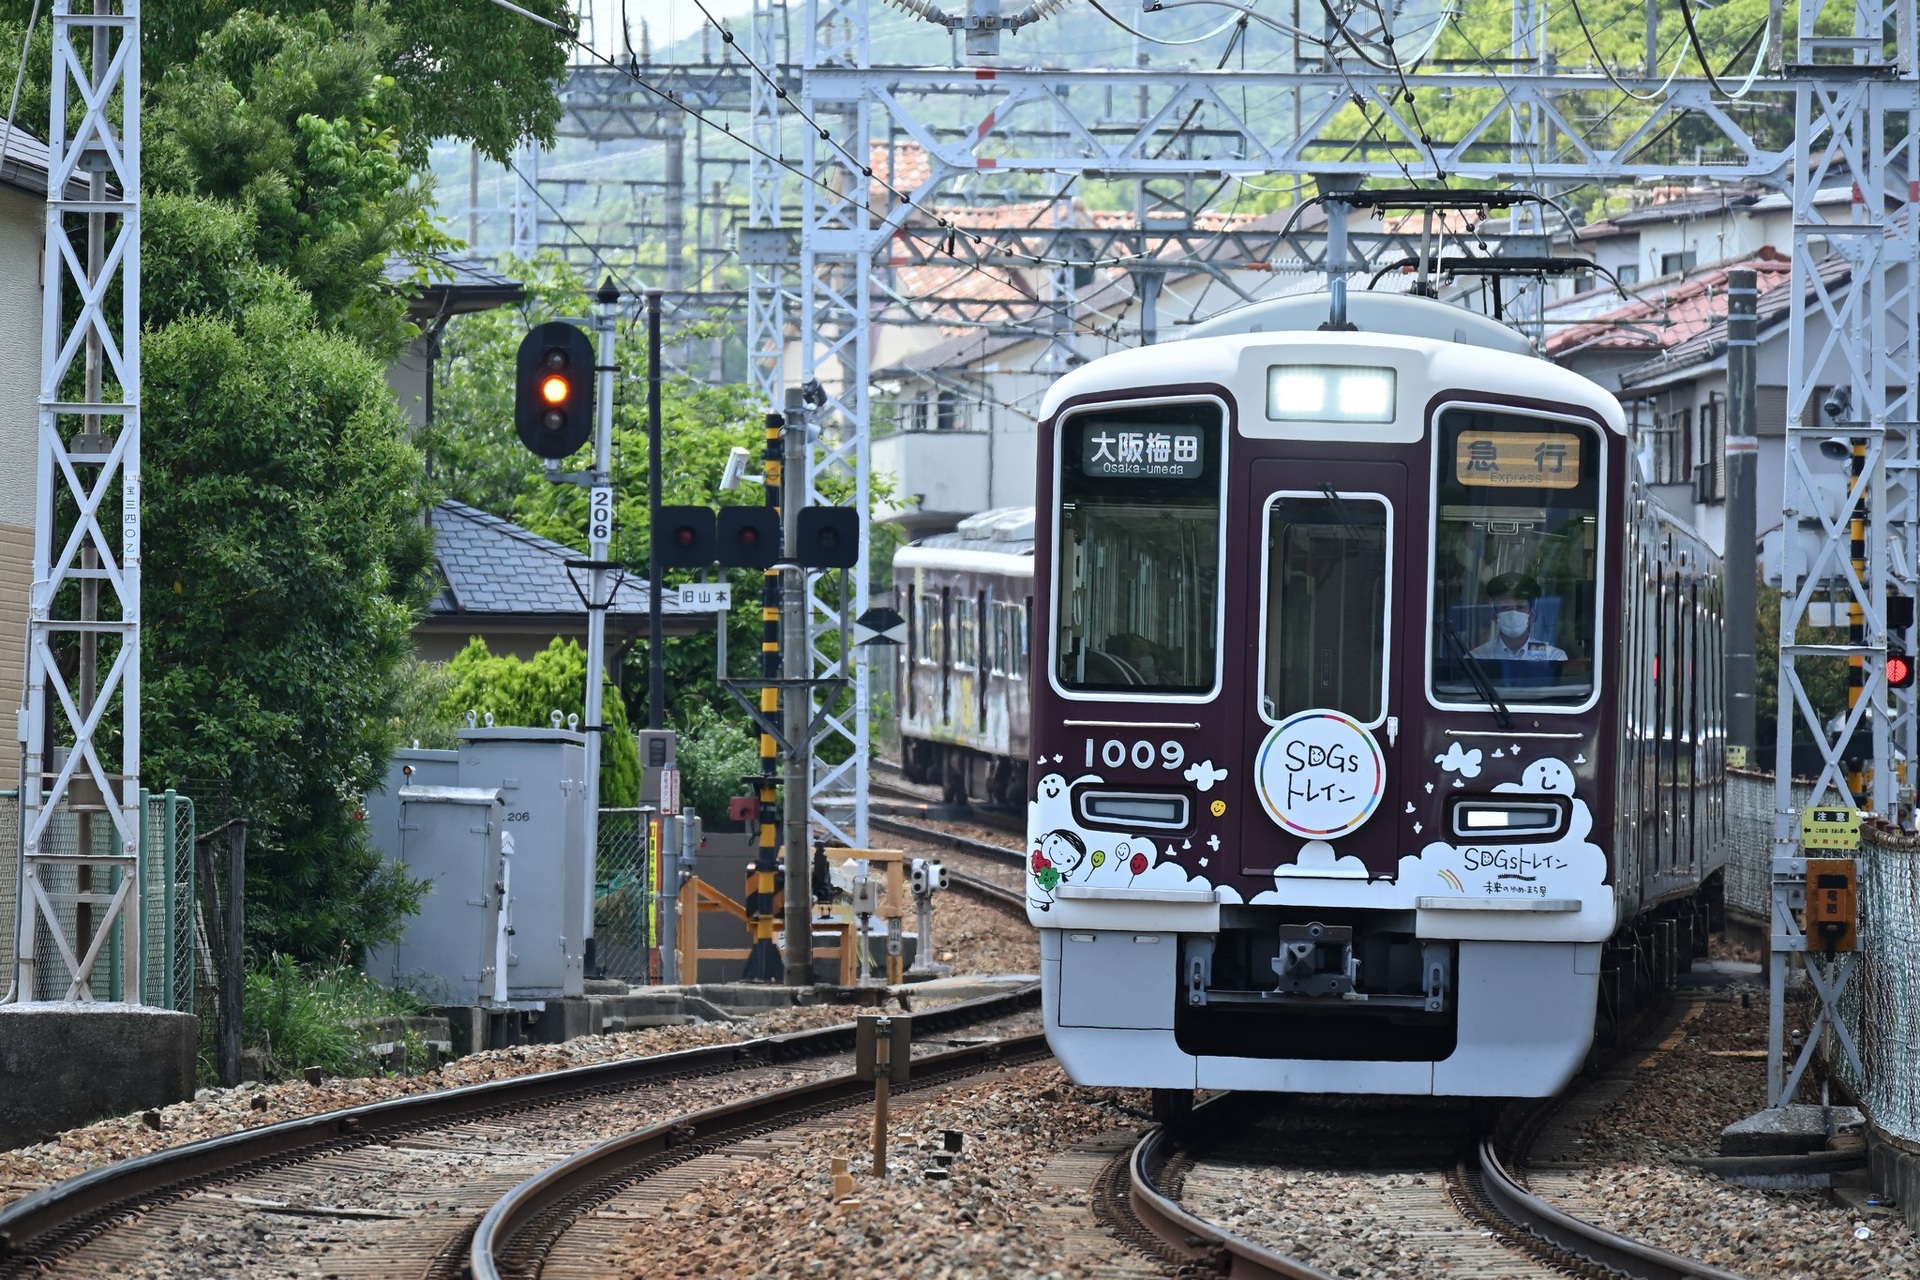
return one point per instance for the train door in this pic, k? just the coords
(1324, 740)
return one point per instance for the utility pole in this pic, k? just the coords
(599, 540)
(1742, 452)
(656, 626)
(795, 669)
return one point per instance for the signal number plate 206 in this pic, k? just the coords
(1116, 753)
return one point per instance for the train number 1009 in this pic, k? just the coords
(1113, 753)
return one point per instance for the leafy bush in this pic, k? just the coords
(715, 750)
(298, 1016)
(528, 693)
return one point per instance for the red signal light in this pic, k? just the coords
(685, 536)
(1899, 671)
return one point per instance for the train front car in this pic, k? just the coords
(1325, 716)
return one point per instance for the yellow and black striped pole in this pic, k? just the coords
(763, 914)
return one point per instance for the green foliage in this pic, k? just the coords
(527, 693)
(419, 717)
(716, 750)
(284, 566)
(1825, 679)
(464, 68)
(299, 1016)
(296, 122)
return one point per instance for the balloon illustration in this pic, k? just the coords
(1139, 863)
(1099, 858)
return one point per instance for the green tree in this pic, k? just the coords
(284, 564)
(284, 557)
(528, 693)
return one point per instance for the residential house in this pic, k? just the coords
(454, 287)
(23, 221)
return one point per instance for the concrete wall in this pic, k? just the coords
(22, 220)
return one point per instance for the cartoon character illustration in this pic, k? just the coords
(1056, 856)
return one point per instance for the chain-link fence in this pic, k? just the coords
(626, 920)
(166, 904)
(1881, 1006)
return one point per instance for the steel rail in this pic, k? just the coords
(601, 1171)
(965, 844)
(46, 1219)
(1204, 1243)
(1583, 1239)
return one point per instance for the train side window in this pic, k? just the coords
(1516, 555)
(966, 656)
(928, 625)
(1136, 588)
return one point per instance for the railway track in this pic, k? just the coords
(534, 1223)
(1470, 1206)
(395, 1187)
(993, 873)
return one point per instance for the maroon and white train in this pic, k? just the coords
(1376, 734)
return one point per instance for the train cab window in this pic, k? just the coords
(1516, 544)
(1326, 605)
(1137, 603)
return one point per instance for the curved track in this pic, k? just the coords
(1471, 1205)
(515, 1237)
(130, 1198)
(1000, 858)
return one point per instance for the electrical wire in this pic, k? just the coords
(1132, 31)
(19, 76)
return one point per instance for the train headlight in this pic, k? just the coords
(1330, 393)
(1162, 811)
(1491, 819)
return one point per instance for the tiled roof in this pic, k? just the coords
(490, 566)
(454, 286)
(26, 161)
(1662, 317)
(1705, 342)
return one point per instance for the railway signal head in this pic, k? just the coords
(553, 390)
(829, 538)
(685, 537)
(1899, 671)
(749, 537)
(929, 877)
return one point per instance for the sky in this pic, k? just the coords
(668, 20)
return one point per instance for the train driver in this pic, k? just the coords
(1512, 596)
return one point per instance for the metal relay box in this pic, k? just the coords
(541, 775)
(455, 949)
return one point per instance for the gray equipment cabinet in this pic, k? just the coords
(455, 950)
(541, 775)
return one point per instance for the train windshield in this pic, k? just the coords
(1137, 588)
(1515, 559)
(1326, 610)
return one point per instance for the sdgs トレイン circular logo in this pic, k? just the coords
(1320, 774)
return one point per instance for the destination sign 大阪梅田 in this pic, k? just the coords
(1517, 459)
(1167, 453)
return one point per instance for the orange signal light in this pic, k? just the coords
(554, 388)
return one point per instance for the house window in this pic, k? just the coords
(1710, 463)
(949, 412)
(1672, 443)
(1629, 274)
(1675, 262)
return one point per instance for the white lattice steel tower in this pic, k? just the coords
(80, 839)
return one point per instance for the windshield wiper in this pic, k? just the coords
(1482, 685)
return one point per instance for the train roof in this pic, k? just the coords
(997, 541)
(1438, 347)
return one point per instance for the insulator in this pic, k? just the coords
(928, 10)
